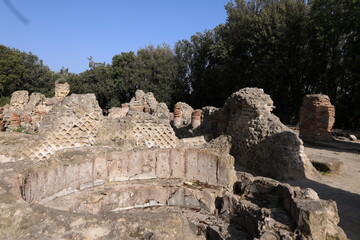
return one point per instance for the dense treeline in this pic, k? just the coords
(25, 71)
(287, 47)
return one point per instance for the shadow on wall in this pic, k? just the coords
(348, 204)
(270, 157)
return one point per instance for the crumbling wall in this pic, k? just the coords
(140, 130)
(73, 122)
(119, 112)
(19, 99)
(182, 114)
(268, 208)
(25, 113)
(77, 121)
(152, 133)
(317, 117)
(260, 142)
(141, 103)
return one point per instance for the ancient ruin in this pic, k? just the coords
(76, 174)
(317, 117)
(62, 89)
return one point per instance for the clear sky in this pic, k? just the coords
(66, 32)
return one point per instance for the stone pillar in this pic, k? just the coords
(177, 115)
(62, 89)
(2, 124)
(196, 118)
(317, 117)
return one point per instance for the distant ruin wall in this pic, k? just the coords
(317, 117)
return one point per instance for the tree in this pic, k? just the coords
(23, 71)
(153, 69)
(97, 80)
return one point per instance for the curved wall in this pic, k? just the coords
(77, 169)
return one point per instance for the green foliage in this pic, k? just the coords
(23, 71)
(287, 47)
(4, 101)
(97, 80)
(153, 69)
(19, 129)
(61, 80)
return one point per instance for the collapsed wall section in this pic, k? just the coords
(268, 208)
(24, 113)
(260, 142)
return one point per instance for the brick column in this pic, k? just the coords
(317, 117)
(196, 118)
(177, 115)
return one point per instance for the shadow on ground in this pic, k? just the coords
(335, 145)
(348, 205)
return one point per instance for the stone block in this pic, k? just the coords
(62, 89)
(19, 99)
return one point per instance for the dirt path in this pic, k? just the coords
(343, 187)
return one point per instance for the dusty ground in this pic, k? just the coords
(343, 187)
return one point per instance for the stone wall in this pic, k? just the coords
(25, 113)
(82, 168)
(119, 112)
(268, 208)
(73, 122)
(317, 117)
(77, 121)
(152, 133)
(260, 142)
(139, 165)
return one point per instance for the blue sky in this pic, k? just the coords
(66, 32)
